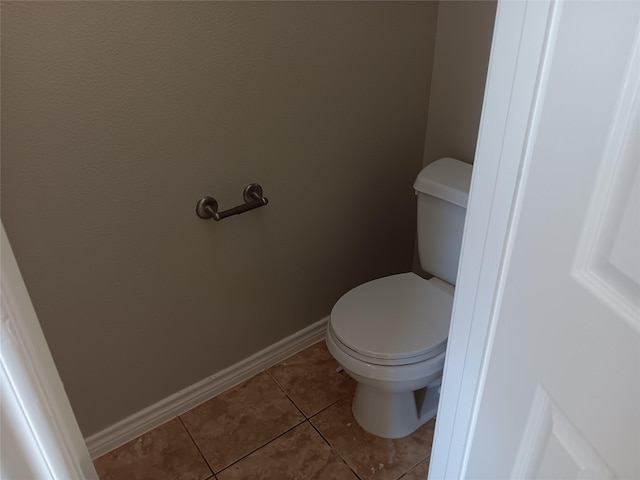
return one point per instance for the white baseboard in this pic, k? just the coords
(187, 398)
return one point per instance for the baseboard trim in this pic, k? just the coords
(187, 398)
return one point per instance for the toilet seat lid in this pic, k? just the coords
(394, 320)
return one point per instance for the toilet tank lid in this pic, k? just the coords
(446, 178)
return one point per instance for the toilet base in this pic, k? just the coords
(390, 414)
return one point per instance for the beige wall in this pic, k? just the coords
(118, 116)
(463, 42)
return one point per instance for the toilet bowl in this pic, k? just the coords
(390, 334)
(379, 335)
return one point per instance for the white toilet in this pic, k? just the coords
(390, 334)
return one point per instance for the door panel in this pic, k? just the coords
(561, 395)
(553, 448)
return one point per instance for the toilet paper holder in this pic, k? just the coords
(207, 207)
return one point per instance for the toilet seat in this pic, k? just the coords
(395, 320)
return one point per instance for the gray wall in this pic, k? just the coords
(460, 61)
(463, 43)
(118, 116)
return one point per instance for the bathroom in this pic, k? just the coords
(118, 117)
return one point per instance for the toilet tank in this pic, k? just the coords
(442, 189)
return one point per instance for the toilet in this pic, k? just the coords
(390, 334)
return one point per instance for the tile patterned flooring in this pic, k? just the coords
(292, 421)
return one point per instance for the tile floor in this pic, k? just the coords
(292, 421)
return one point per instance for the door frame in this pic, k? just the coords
(523, 39)
(40, 435)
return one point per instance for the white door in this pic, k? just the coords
(39, 435)
(558, 390)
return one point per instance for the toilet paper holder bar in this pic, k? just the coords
(207, 207)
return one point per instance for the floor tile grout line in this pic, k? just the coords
(427, 458)
(353, 469)
(304, 419)
(330, 405)
(213, 471)
(399, 477)
(333, 448)
(283, 390)
(321, 436)
(348, 466)
(308, 420)
(261, 446)
(193, 440)
(310, 416)
(284, 433)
